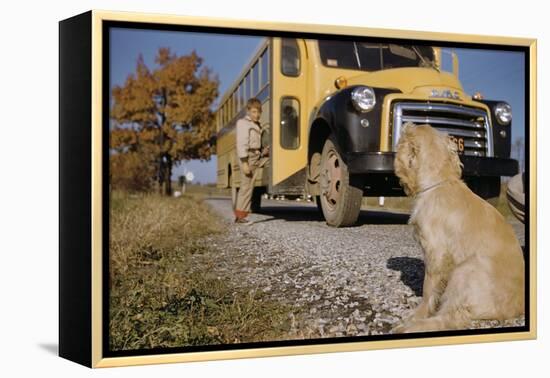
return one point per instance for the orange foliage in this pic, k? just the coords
(131, 172)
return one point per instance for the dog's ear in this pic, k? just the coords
(452, 149)
(407, 134)
(413, 152)
(407, 128)
(405, 159)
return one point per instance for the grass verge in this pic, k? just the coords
(159, 297)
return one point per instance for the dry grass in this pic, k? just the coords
(158, 297)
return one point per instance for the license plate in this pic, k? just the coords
(459, 143)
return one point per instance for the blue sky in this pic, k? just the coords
(496, 74)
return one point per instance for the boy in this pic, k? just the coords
(250, 156)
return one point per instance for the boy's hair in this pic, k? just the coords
(253, 102)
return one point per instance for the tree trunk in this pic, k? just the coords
(168, 175)
(160, 177)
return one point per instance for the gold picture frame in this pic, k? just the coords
(82, 186)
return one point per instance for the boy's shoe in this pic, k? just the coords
(243, 221)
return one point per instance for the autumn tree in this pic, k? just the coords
(161, 117)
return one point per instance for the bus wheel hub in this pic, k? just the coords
(333, 176)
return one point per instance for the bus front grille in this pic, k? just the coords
(469, 124)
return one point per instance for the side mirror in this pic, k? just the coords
(455, 64)
(437, 57)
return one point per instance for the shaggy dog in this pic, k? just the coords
(474, 266)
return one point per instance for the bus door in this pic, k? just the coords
(289, 116)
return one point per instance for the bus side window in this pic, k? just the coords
(290, 123)
(290, 57)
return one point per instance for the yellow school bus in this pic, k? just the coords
(332, 114)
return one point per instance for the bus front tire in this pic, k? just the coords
(319, 206)
(340, 201)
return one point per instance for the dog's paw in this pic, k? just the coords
(400, 328)
(409, 325)
(409, 315)
(419, 325)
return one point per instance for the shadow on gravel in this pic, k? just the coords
(412, 272)
(308, 213)
(291, 213)
(381, 217)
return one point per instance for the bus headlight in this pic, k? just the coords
(363, 99)
(503, 112)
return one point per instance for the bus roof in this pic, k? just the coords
(253, 57)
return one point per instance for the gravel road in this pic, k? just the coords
(342, 282)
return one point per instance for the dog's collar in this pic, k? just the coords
(430, 187)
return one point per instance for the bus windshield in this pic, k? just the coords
(374, 56)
